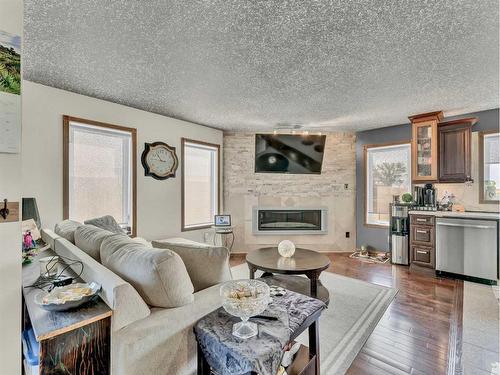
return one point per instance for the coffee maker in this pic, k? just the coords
(425, 197)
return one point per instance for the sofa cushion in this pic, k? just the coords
(128, 306)
(66, 229)
(159, 275)
(207, 265)
(113, 243)
(142, 241)
(164, 340)
(89, 238)
(107, 222)
(179, 241)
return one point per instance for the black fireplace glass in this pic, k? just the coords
(273, 220)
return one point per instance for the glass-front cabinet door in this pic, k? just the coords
(425, 154)
(425, 148)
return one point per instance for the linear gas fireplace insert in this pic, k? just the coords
(289, 220)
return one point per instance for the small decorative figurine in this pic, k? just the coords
(28, 242)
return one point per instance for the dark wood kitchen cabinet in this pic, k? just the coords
(422, 240)
(422, 255)
(424, 235)
(424, 146)
(455, 150)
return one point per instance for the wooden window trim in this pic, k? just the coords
(217, 147)
(481, 166)
(365, 178)
(66, 122)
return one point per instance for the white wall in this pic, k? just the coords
(10, 233)
(158, 202)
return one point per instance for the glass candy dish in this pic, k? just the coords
(244, 299)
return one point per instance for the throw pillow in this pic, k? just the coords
(142, 241)
(66, 229)
(107, 222)
(89, 238)
(158, 275)
(113, 243)
(207, 265)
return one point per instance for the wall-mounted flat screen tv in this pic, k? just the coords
(289, 153)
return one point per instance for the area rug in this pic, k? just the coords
(354, 311)
(381, 258)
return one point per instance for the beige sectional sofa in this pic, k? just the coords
(182, 274)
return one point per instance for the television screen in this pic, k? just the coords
(289, 153)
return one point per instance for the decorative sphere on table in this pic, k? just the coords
(286, 248)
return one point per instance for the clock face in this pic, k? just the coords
(159, 160)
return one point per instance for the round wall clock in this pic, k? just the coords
(159, 160)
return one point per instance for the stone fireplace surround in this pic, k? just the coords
(334, 190)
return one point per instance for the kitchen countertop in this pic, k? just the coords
(459, 215)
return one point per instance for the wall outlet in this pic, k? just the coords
(347, 234)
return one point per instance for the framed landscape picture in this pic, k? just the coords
(10, 63)
(10, 92)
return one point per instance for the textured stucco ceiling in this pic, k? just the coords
(248, 65)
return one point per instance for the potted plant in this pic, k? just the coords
(407, 198)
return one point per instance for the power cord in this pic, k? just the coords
(58, 280)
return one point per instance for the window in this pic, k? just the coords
(489, 166)
(99, 172)
(387, 173)
(200, 184)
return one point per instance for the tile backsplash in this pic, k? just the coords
(467, 194)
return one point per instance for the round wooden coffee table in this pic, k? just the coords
(304, 262)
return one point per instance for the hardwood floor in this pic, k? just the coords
(418, 330)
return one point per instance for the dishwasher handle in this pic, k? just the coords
(467, 226)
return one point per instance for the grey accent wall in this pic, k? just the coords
(378, 237)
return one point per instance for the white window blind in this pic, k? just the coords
(388, 173)
(201, 184)
(100, 173)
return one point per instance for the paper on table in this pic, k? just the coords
(10, 123)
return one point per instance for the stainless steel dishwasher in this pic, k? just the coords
(467, 247)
